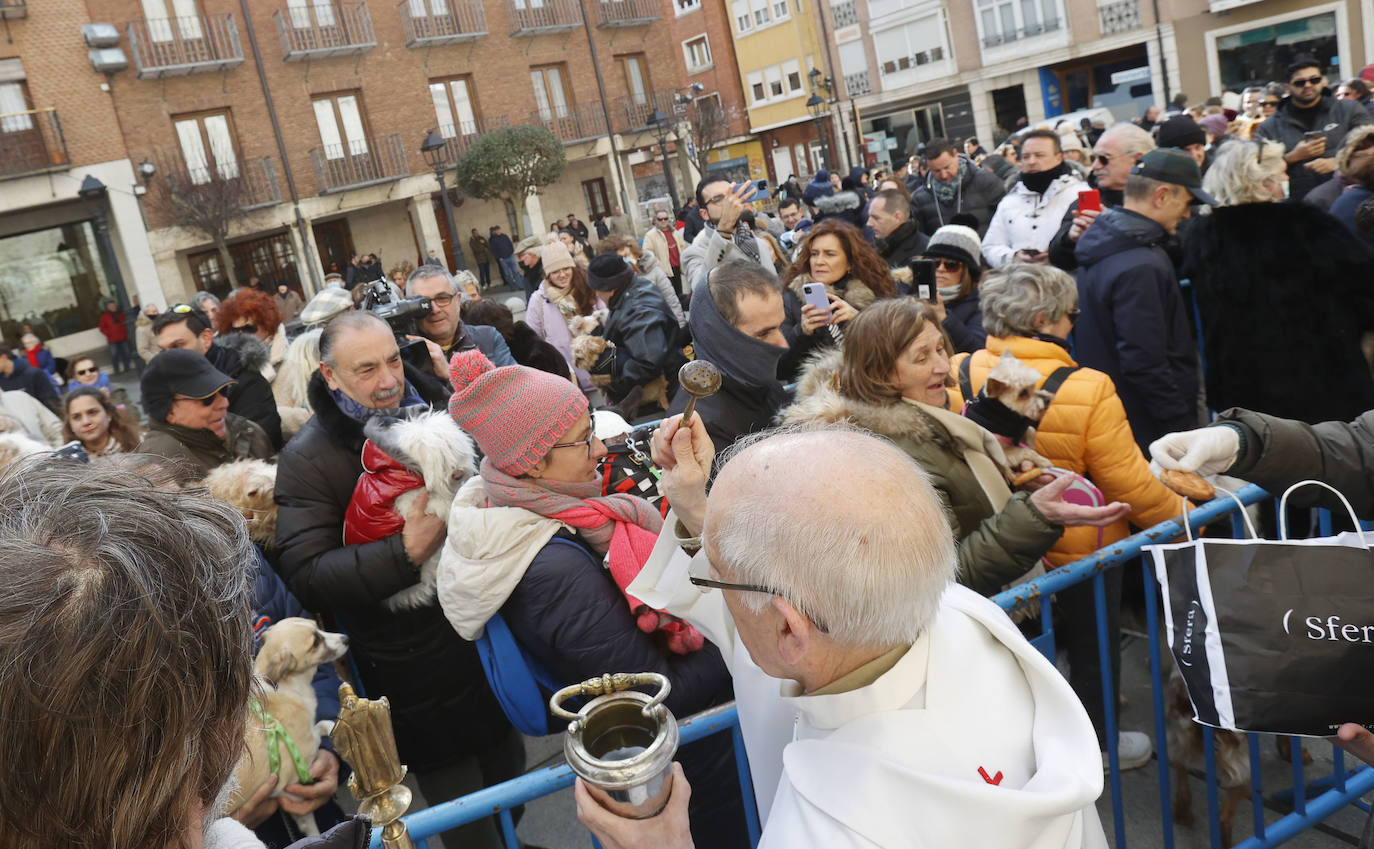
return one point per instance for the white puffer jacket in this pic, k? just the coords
(1027, 221)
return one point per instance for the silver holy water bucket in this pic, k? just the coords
(622, 742)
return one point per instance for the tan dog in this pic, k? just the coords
(285, 666)
(248, 485)
(1014, 384)
(1185, 743)
(587, 349)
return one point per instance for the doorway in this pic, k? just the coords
(334, 241)
(782, 165)
(1008, 107)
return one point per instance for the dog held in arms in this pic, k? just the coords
(587, 348)
(403, 458)
(1010, 406)
(281, 725)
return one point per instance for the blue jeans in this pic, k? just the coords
(510, 271)
(484, 274)
(120, 359)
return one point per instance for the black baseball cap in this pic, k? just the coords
(178, 373)
(1168, 165)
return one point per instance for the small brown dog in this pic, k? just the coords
(587, 349)
(1185, 743)
(1012, 385)
(248, 486)
(291, 651)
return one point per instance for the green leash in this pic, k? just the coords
(275, 735)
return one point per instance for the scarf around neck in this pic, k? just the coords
(945, 192)
(621, 527)
(744, 359)
(1040, 181)
(360, 414)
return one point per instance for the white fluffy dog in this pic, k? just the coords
(434, 449)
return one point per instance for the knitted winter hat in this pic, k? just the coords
(556, 256)
(954, 241)
(515, 414)
(608, 272)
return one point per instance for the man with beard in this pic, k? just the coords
(954, 186)
(898, 237)
(728, 233)
(1311, 126)
(1030, 214)
(1114, 155)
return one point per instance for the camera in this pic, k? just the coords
(401, 315)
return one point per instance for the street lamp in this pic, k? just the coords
(95, 197)
(435, 152)
(147, 171)
(663, 127)
(818, 107)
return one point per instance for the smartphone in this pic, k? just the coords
(816, 297)
(923, 279)
(1313, 136)
(1090, 199)
(416, 352)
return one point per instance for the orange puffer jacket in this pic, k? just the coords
(1084, 430)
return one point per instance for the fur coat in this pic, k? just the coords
(995, 547)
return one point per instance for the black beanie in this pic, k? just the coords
(609, 272)
(1180, 131)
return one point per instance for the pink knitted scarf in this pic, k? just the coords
(621, 527)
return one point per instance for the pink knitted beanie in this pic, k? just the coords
(555, 257)
(514, 413)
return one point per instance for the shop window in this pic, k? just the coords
(1257, 56)
(271, 259)
(51, 279)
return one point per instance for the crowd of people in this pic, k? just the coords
(965, 342)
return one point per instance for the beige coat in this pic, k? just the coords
(657, 243)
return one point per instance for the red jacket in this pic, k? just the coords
(371, 514)
(112, 325)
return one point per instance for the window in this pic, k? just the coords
(780, 12)
(636, 78)
(271, 259)
(774, 77)
(52, 279)
(744, 21)
(453, 107)
(14, 97)
(777, 82)
(682, 7)
(594, 193)
(756, 89)
(698, 53)
(183, 12)
(207, 146)
(1008, 20)
(791, 71)
(300, 10)
(437, 8)
(550, 91)
(340, 119)
(910, 45)
(750, 14)
(1253, 56)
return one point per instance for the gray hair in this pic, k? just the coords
(868, 580)
(198, 300)
(1011, 297)
(1238, 173)
(125, 664)
(300, 364)
(1133, 140)
(334, 328)
(425, 272)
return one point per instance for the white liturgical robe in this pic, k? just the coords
(971, 739)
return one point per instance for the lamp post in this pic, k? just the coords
(95, 197)
(663, 127)
(435, 151)
(817, 106)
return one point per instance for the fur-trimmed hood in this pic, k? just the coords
(840, 203)
(820, 402)
(252, 351)
(854, 291)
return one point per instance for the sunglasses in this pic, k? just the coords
(250, 327)
(1270, 104)
(1305, 83)
(82, 371)
(204, 402)
(1105, 158)
(662, 218)
(947, 264)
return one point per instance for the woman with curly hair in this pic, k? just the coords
(88, 415)
(854, 275)
(254, 313)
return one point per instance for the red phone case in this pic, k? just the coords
(1090, 199)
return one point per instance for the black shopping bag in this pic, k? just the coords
(1271, 636)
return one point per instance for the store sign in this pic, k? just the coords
(1131, 75)
(1051, 92)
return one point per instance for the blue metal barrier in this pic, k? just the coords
(1332, 793)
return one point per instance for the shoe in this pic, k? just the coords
(1133, 750)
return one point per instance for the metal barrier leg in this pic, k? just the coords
(1299, 784)
(1256, 786)
(1109, 704)
(508, 829)
(746, 787)
(1166, 802)
(1209, 759)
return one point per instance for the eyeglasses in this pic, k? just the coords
(698, 580)
(1310, 81)
(204, 402)
(717, 199)
(250, 327)
(1073, 316)
(442, 301)
(946, 264)
(591, 437)
(82, 371)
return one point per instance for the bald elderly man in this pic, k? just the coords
(882, 705)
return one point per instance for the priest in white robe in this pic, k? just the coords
(882, 705)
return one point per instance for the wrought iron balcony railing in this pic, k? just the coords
(541, 17)
(633, 112)
(458, 138)
(442, 21)
(349, 165)
(1120, 16)
(324, 29)
(31, 142)
(574, 122)
(626, 13)
(857, 84)
(250, 184)
(845, 14)
(170, 47)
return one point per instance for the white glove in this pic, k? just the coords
(1206, 451)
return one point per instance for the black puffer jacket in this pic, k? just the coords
(902, 245)
(978, 195)
(643, 330)
(1283, 295)
(1332, 118)
(441, 707)
(251, 395)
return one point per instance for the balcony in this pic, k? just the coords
(31, 142)
(857, 84)
(193, 191)
(1007, 37)
(845, 14)
(632, 113)
(351, 165)
(13, 9)
(444, 22)
(1121, 16)
(173, 47)
(543, 17)
(457, 139)
(626, 13)
(572, 123)
(324, 29)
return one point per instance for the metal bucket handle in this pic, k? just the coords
(611, 683)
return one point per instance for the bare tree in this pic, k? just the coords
(709, 125)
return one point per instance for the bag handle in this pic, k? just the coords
(1283, 508)
(1187, 527)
